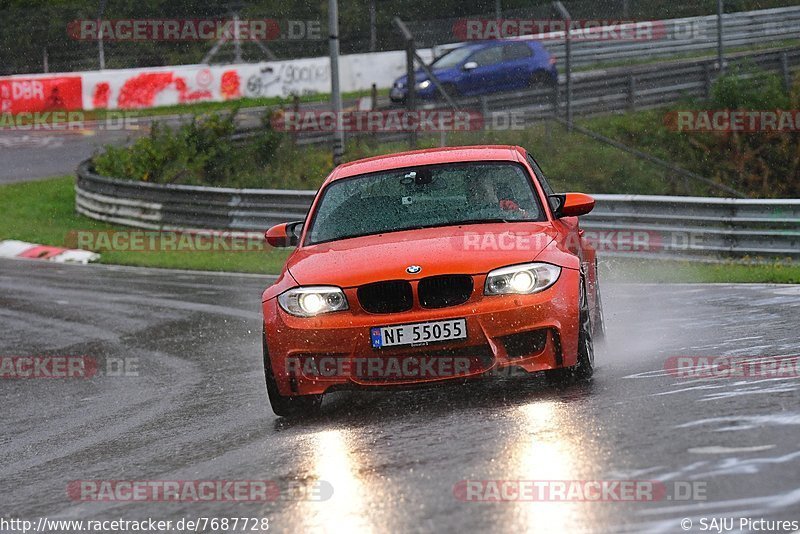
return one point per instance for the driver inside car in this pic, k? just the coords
(484, 194)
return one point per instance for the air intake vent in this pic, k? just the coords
(443, 291)
(386, 297)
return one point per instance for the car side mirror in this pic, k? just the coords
(470, 65)
(284, 234)
(571, 204)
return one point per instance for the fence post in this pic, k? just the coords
(374, 97)
(411, 99)
(707, 79)
(568, 50)
(296, 111)
(631, 93)
(787, 76)
(484, 110)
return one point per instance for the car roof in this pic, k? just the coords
(525, 39)
(430, 156)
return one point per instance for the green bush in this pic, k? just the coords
(759, 164)
(199, 151)
(748, 89)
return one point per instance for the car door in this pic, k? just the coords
(485, 76)
(516, 66)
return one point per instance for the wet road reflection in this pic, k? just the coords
(331, 459)
(540, 451)
(198, 411)
(531, 434)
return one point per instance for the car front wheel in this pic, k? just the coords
(584, 369)
(296, 406)
(540, 79)
(450, 89)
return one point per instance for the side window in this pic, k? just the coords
(548, 190)
(488, 56)
(516, 51)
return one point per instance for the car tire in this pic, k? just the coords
(450, 89)
(296, 406)
(599, 330)
(540, 79)
(584, 369)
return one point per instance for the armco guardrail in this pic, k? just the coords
(604, 91)
(164, 206)
(691, 227)
(673, 37)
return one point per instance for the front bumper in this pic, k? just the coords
(532, 332)
(398, 95)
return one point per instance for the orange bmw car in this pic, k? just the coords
(430, 266)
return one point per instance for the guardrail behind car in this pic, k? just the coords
(696, 228)
(597, 92)
(679, 36)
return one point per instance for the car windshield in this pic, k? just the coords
(452, 58)
(424, 197)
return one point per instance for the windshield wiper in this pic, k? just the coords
(479, 221)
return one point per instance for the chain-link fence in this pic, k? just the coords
(38, 38)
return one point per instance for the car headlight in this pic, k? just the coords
(313, 300)
(521, 279)
(424, 84)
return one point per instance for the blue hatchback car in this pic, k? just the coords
(481, 68)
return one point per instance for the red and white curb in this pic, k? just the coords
(11, 248)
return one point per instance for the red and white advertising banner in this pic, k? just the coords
(40, 93)
(186, 84)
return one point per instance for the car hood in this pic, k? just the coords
(467, 249)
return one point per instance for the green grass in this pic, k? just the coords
(572, 161)
(44, 212)
(201, 108)
(670, 271)
(701, 54)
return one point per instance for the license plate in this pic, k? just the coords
(418, 334)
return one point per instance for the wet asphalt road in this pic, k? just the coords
(26, 156)
(198, 410)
